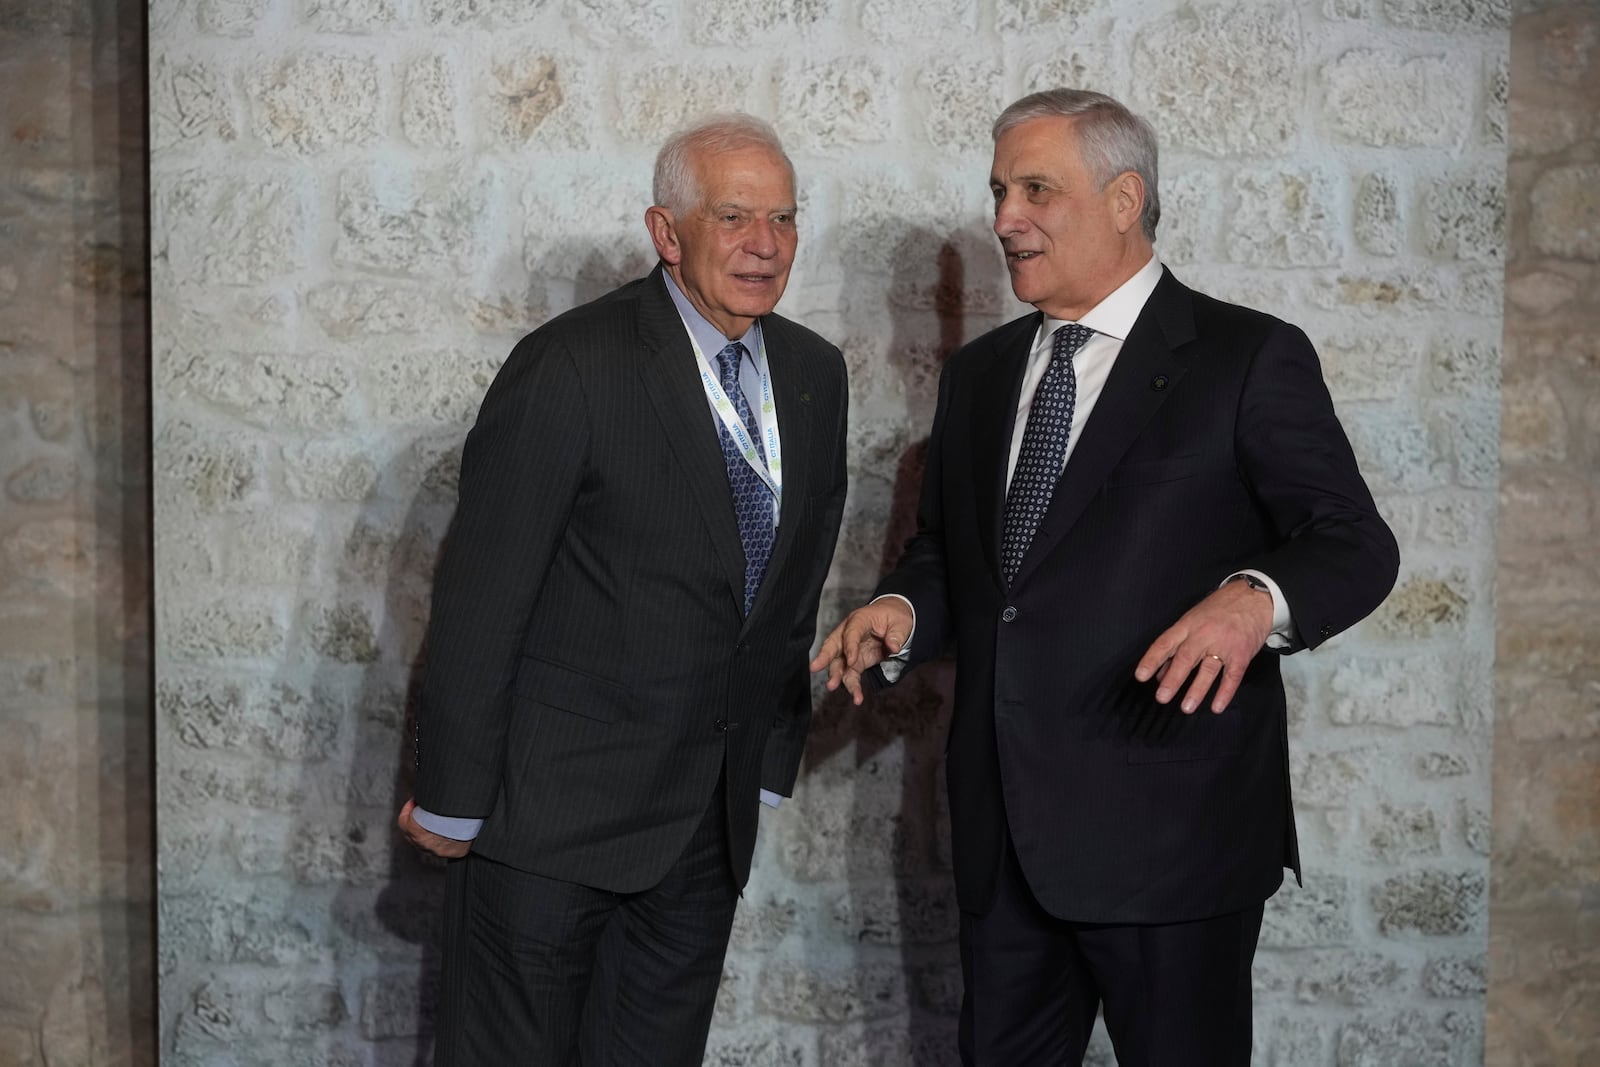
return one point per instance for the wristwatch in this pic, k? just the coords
(1252, 581)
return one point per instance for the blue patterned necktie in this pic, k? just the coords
(1044, 446)
(752, 500)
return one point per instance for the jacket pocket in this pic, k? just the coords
(1169, 736)
(566, 689)
(1153, 471)
(1180, 754)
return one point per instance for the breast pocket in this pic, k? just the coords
(1153, 471)
(578, 692)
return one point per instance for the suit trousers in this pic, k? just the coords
(536, 969)
(1173, 995)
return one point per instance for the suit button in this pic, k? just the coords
(722, 726)
(1326, 632)
(1008, 615)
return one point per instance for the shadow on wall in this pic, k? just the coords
(902, 913)
(385, 915)
(115, 699)
(902, 918)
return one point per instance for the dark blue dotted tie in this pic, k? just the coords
(1044, 445)
(752, 500)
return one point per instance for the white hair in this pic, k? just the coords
(1112, 139)
(676, 186)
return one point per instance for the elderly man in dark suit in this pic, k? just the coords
(621, 620)
(1129, 495)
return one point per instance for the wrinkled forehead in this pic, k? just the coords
(1048, 144)
(753, 176)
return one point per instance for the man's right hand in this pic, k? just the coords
(446, 848)
(867, 636)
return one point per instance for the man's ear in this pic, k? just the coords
(664, 235)
(1129, 200)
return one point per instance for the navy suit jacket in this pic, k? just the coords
(1213, 447)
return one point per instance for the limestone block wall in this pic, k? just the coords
(77, 860)
(359, 205)
(1544, 1001)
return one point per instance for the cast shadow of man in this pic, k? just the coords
(903, 903)
(386, 915)
(904, 730)
(385, 918)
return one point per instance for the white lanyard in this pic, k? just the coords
(770, 471)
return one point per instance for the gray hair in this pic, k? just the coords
(1112, 139)
(676, 187)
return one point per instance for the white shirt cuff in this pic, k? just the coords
(456, 829)
(894, 666)
(770, 799)
(1282, 635)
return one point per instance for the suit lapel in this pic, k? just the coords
(674, 389)
(994, 413)
(1145, 373)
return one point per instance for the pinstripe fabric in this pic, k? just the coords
(595, 690)
(628, 979)
(590, 673)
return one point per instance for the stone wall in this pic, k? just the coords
(358, 206)
(77, 871)
(1544, 999)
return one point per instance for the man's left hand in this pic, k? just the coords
(1218, 636)
(446, 848)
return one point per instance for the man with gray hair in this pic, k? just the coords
(616, 657)
(1129, 495)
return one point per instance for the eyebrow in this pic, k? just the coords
(726, 205)
(1019, 179)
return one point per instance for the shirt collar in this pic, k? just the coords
(1115, 315)
(710, 339)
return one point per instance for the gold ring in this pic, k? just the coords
(1213, 655)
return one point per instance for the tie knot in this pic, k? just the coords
(1070, 338)
(728, 363)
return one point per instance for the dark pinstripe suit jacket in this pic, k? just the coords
(1214, 447)
(589, 672)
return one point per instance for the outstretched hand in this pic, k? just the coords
(1218, 636)
(867, 636)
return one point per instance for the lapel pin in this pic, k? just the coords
(805, 398)
(1159, 382)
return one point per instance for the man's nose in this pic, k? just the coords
(762, 239)
(1007, 220)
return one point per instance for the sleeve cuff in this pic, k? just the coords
(899, 658)
(1282, 635)
(456, 829)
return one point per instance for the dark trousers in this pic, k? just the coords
(1173, 995)
(535, 969)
